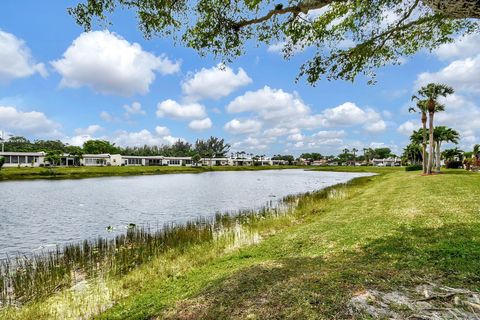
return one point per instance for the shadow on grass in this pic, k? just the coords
(313, 287)
(457, 171)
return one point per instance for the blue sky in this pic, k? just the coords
(57, 82)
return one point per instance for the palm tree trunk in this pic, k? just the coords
(424, 143)
(430, 147)
(438, 156)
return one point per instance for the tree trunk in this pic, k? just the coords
(455, 8)
(430, 147)
(424, 143)
(439, 144)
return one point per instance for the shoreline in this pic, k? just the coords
(337, 242)
(283, 209)
(73, 173)
(279, 202)
(60, 173)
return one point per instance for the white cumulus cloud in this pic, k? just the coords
(236, 126)
(464, 47)
(214, 83)
(199, 125)
(143, 137)
(462, 75)
(134, 109)
(172, 109)
(27, 122)
(295, 137)
(107, 117)
(329, 134)
(407, 127)
(269, 103)
(348, 114)
(78, 140)
(376, 126)
(16, 60)
(162, 131)
(109, 64)
(90, 130)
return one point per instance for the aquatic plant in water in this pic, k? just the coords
(32, 277)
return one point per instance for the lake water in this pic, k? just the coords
(38, 215)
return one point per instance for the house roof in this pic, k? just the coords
(34, 154)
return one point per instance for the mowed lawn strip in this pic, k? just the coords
(395, 230)
(93, 172)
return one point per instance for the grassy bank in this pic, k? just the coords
(92, 172)
(388, 233)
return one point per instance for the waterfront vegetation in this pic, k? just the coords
(24, 279)
(92, 172)
(389, 232)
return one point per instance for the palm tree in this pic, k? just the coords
(354, 150)
(450, 154)
(412, 153)
(431, 93)
(476, 151)
(365, 154)
(345, 151)
(422, 109)
(443, 134)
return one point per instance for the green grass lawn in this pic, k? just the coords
(27, 173)
(92, 172)
(389, 232)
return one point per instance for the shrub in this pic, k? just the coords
(2, 161)
(453, 164)
(414, 167)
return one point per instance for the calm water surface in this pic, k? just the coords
(38, 215)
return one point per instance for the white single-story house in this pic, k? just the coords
(262, 162)
(241, 162)
(155, 161)
(37, 159)
(105, 159)
(178, 161)
(279, 162)
(23, 159)
(387, 162)
(216, 162)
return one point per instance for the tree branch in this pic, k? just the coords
(303, 7)
(399, 23)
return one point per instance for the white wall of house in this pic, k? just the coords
(387, 162)
(36, 159)
(133, 161)
(115, 160)
(95, 160)
(216, 161)
(23, 159)
(179, 161)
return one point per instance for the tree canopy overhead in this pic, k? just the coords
(349, 37)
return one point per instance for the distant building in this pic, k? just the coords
(37, 159)
(215, 162)
(321, 162)
(106, 159)
(279, 162)
(23, 159)
(387, 162)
